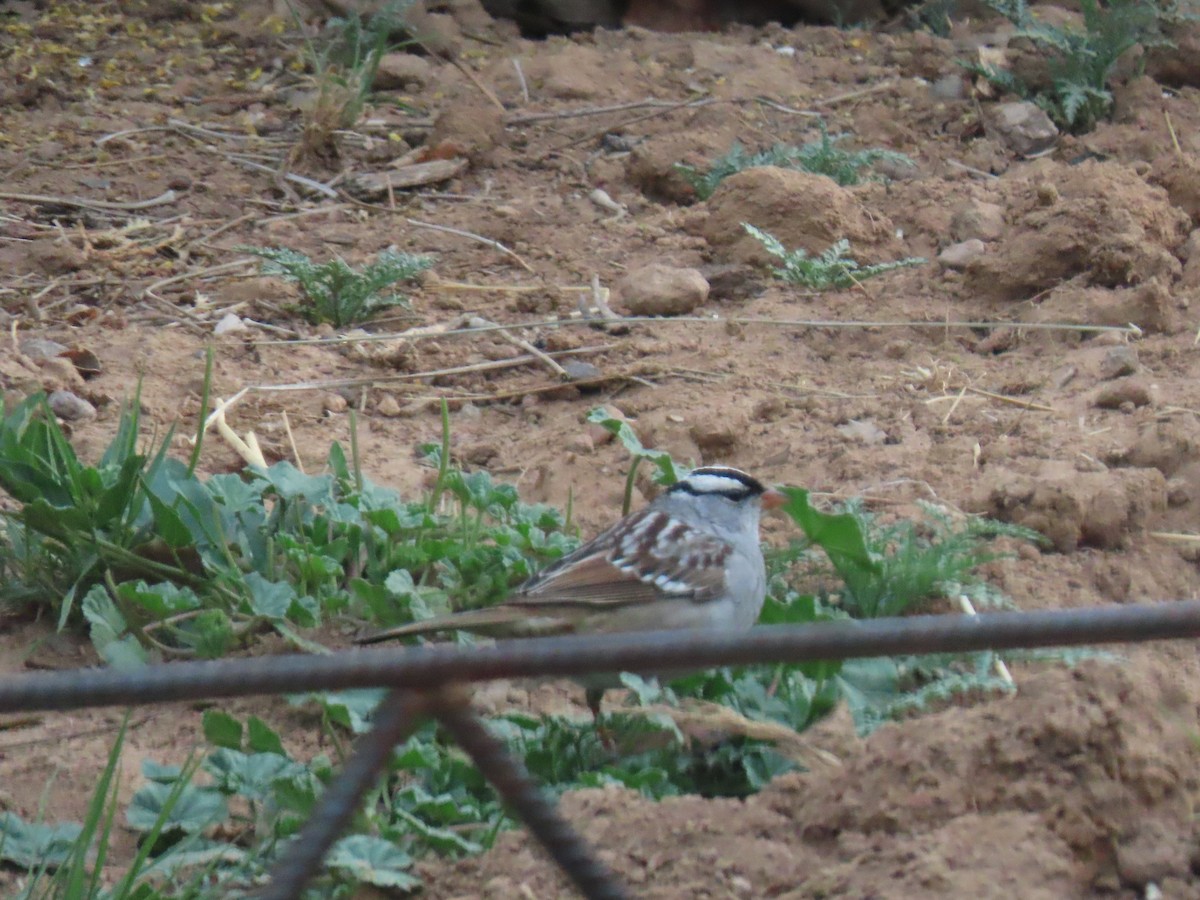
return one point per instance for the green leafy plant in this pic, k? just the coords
(832, 269)
(337, 293)
(66, 860)
(344, 61)
(1081, 60)
(668, 471)
(914, 560)
(172, 565)
(820, 157)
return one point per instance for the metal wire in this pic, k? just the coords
(395, 719)
(432, 666)
(511, 780)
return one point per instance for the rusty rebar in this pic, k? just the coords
(535, 808)
(429, 667)
(395, 719)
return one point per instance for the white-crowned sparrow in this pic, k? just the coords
(689, 559)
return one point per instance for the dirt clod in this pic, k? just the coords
(1073, 508)
(1129, 390)
(658, 290)
(803, 211)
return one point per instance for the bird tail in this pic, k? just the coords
(494, 621)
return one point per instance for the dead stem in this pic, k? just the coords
(496, 245)
(102, 205)
(577, 320)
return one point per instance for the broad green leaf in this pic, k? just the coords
(108, 631)
(158, 600)
(351, 709)
(125, 653)
(374, 861)
(153, 771)
(269, 599)
(222, 730)
(168, 525)
(252, 775)
(194, 809)
(210, 634)
(31, 845)
(840, 535)
(292, 484)
(443, 840)
(115, 500)
(261, 738)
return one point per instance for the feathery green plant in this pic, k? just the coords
(1081, 60)
(832, 269)
(336, 292)
(820, 157)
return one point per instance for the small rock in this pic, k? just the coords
(977, 219)
(1125, 390)
(480, 454)
(1023, 127)
(1179, 492)
(42, 348)
(581, 443)
(334, 403)
(581, 371)
(1118, 362)
(959, 256)
(658, 290)
(398, 71)
(865, 432)
(948, 87)
(388, 406)
(229, 322)
(716, 438)
(70, 406)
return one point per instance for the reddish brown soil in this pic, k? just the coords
(1082, 784)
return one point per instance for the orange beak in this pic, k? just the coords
(773, 499)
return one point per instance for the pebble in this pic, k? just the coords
(581, 443)
(1023, 127)
(1132, 391)
(581, 371)
(658, 290)
(948, 87)
(334, 403)
(70, 407)
(42, 348)
(402, 70)
(229, 322)
(388, 406)
(977, 219)
(959, 256)
(1118, 362)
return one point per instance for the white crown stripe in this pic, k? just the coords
(706, 483)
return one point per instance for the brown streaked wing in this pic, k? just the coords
(602, 573)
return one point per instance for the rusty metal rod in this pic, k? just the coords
(433, 666)
(537, 810)
(395, 719)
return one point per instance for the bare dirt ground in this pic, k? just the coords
(1082, 784)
